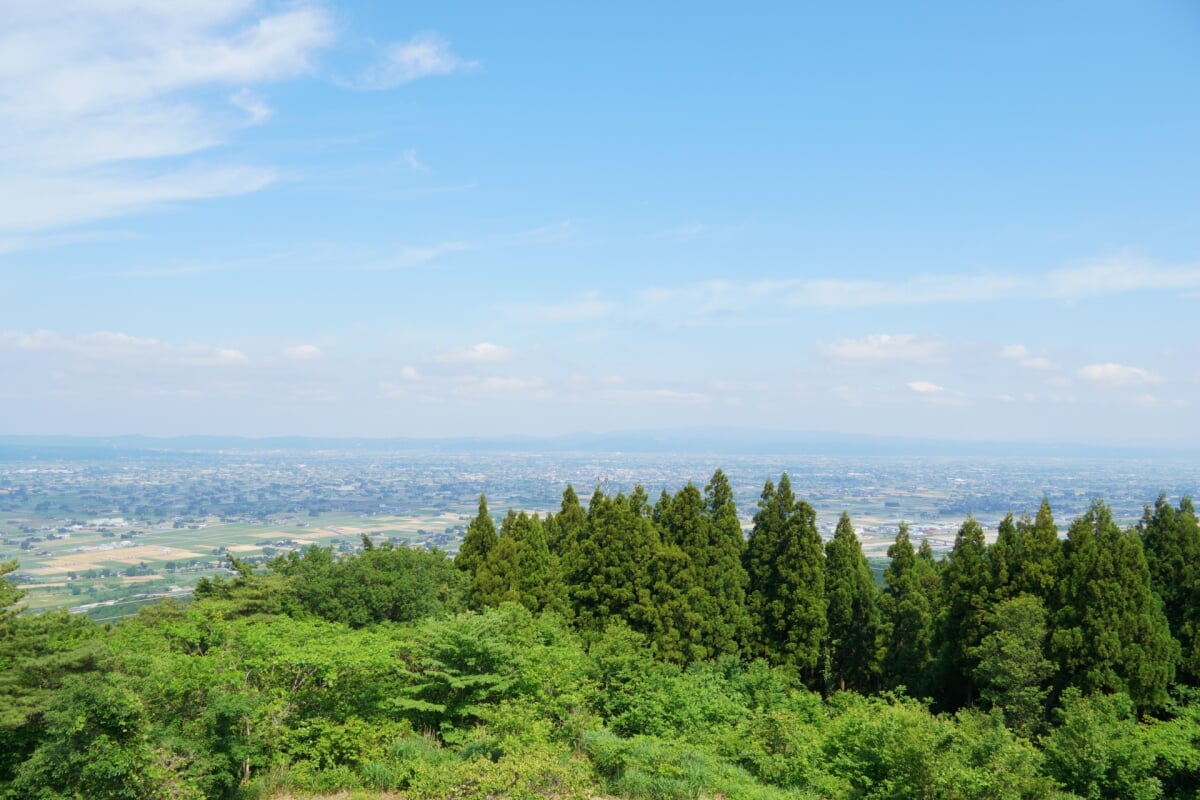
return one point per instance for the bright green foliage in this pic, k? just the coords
(1110, 632)
(477, 543)
(10, 595)
(785, 562)
(1013, 670)
(386, 583)
(1096, 750)
(963, 604)
(907, 618)
(610, 574)
(853, 612)
(888, 747)
(95, 747)
(1041, 555)
(1171, 538)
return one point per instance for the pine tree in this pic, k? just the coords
(963, 607)
(1171, 538)
(908, 618)
(785, 562)
(473, 552)
(1110, 633)
(853, 611)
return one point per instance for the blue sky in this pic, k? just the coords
(957, 220)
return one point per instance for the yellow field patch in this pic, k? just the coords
(243, 548)
(121, 555)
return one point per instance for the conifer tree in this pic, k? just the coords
(478, 542)
(1171, 538)
(1004, 560)
(908, 618)
(785, 562)
(853, 611)
(564, 528)
(610, 576)
(1041, 555)
(964, 605)
(1110, 633)
(726, 577)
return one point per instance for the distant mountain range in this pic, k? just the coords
(678, 441)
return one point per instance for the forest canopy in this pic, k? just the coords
(640, 648)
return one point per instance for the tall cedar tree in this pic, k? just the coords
(785, 562)
(964, 604)
(609, 576)
(852, 613)
(725, 576)
(1110, 633)
(473, 552)
(1171, 538)
(519, 568)
(907, 618)
(1041, 555)
(1004, 563)
(564, 529)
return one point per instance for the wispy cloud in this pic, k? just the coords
(423, 56)
(95, 100)
(482, 353)
(589, 307)
(111, 346)
(1106, 278)
(886, 347)
(1020, 354)
(303, 352)
(1118, 375)
(925, 387)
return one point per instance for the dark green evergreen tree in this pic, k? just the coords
(1110, 633)
(610, 576)
(1004, 559)
(853, 612)
(964, 604)
(1041, 555)
(476, 545)
(1171, 538)
(725, 577)
(907, 618)
(785, 563)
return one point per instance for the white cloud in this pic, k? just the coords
(1020, 354)
(423, 56)
(122, 348)
(1118, 276)
(482, 353)
(885, 347)
(1118, 375)
(925, 387)
(303, 352)
(94, 95)
(410, 158)
(409, 373)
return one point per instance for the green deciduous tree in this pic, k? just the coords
(1013, 671)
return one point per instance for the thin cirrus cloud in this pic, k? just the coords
(423, 56)
(101, 104)
(119, 348)
(303, 352)
(1111, 277)
(925, 387)
(886, 347)
(1112, 374)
